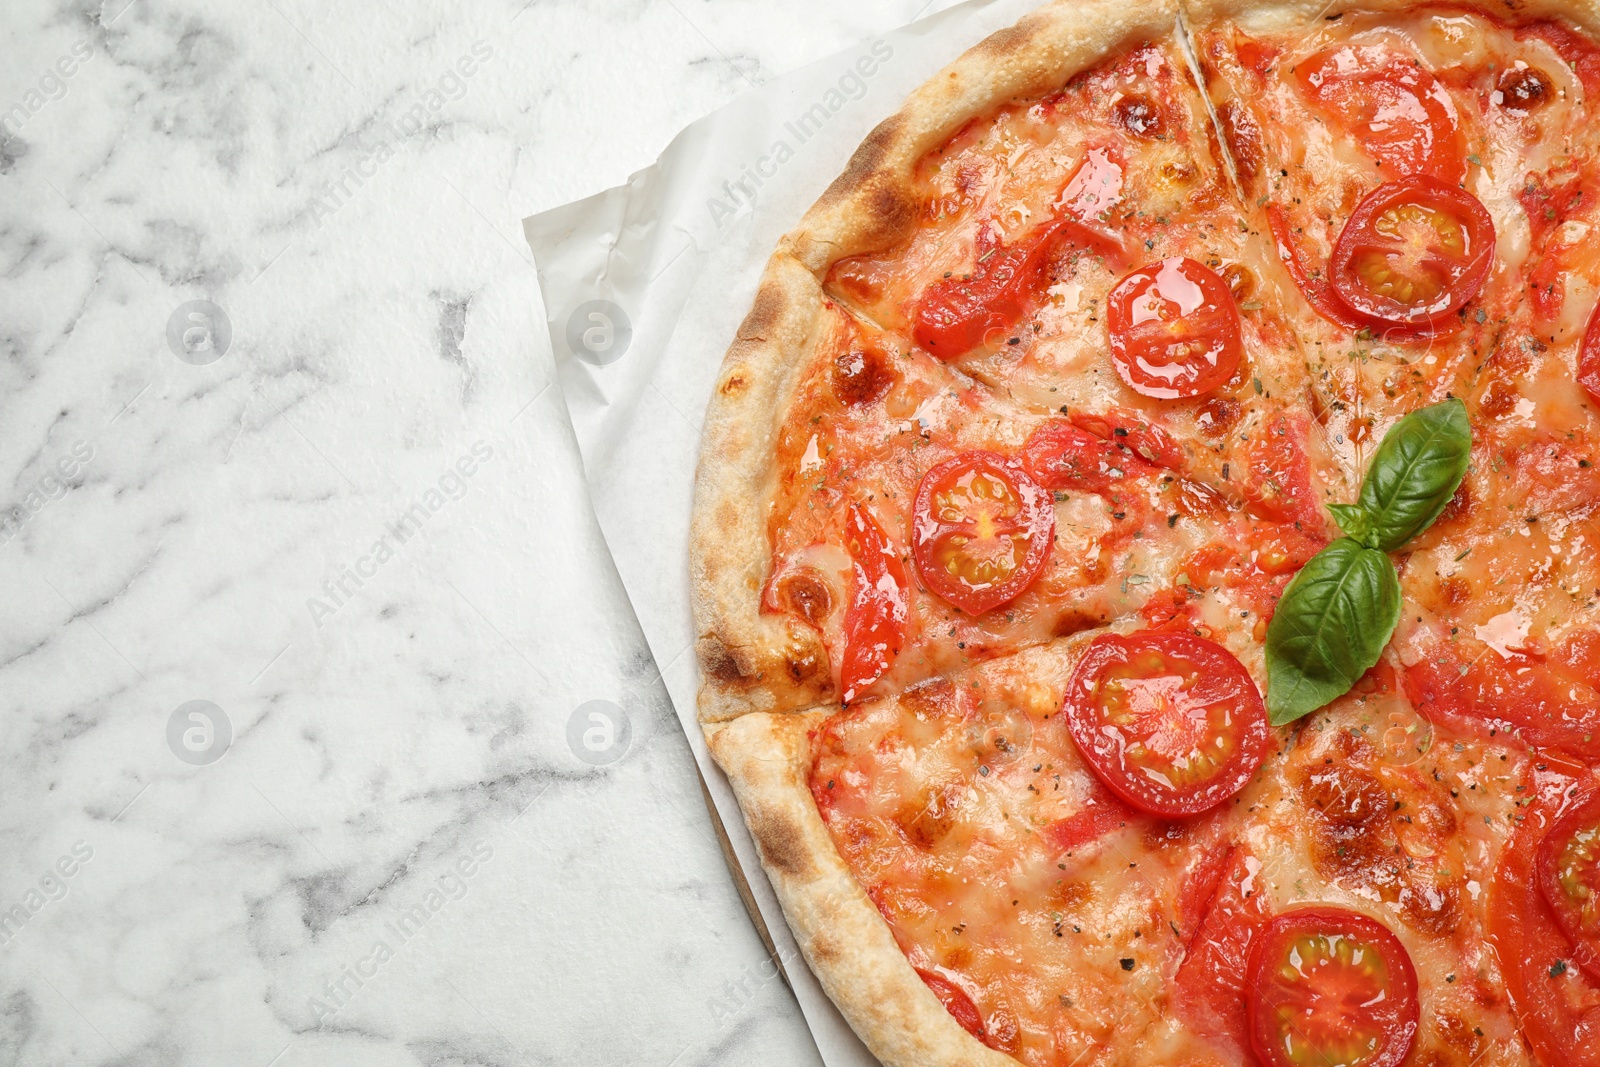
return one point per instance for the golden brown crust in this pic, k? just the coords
(844, 939)
(755, 662)
(750, 661)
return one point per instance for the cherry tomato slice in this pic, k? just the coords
(1333, 988)
(1171, 723)
(1174, 329)
(1059, 455)
(1313, 284)
(1557, 1004)
(1209, 988)
(1569, 878)
(875, 619)
(982, 530)
(1413, 252)
(1518, 695)
(1391, 105)
(1589, 357)
(956, 315)
(956, 1002)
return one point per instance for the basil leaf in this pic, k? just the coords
(1329, 628)
(1416, 471)
(1352, 519)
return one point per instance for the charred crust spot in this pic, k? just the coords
(734, 383)
(866, 160)
(807, 595)
(1360, 834)
(1218, 416)
(1011, 41)
(1072, 621)
(806, 668)
(1139, 115)
(1241, 280)
(927, 819)
(719, 661)
(765, 313)
(1523, 89)
(1460, 505)
(782, 843)
(933, 698)
(862, 375)
(890, 208)
(1244, 139)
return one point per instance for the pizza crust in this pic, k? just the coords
(750, 661)
(845, 941)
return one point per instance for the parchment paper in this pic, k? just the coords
(644, 285)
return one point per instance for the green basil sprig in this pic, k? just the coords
(1341, 609)
(1417, 470)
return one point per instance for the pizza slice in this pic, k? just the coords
(1387, 153)
(1012, 876)
(1082, 251)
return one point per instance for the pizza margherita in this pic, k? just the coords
(1146, 547)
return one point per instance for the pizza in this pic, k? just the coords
(1146, 545)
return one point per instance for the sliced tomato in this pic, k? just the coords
(981, 530)
(1136, 433)
(1171, 723)
(955, 1001)
(1209, 990)
(1569, 877)
(1312, 282)
(1100, 815)
(1578, 657)
(1277, 481)
(956, 315)
(1413, 252)
(1174, 329)
(1557, 1003)
(875, 619)
(1331, 987)
(1391, 106)
(1060, 455)
(1515, 695)
(1589, 357)
(1279, 549)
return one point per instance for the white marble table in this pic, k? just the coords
(301, 592)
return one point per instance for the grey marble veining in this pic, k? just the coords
(305, 619)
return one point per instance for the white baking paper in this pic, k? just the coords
(644, 285)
